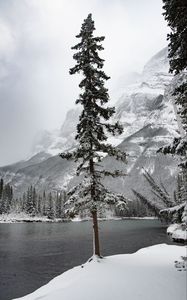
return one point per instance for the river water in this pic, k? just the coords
(31, 254)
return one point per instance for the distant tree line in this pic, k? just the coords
(54, 204)
(32, 203)
(135, 208)
(48, 204)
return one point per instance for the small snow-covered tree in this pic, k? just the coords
(39, 204)
(30, 209)
(6, 197)
(90, 194)
(50, 207)
(44, 202)
(59, 203)
(1, 187)
(24, 202)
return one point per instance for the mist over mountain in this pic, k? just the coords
(146, 112)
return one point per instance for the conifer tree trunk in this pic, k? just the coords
(96, 234)
(96, 248)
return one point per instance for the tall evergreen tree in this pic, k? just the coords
(175, 13)
(92, 130)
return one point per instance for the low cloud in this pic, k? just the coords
(36, 89)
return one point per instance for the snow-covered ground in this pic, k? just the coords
(156, 273)
(23, 217)
(178, 232)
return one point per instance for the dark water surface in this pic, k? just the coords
(32, 254)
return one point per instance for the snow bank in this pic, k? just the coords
(150, 273)
(23, 217)
(178, 232)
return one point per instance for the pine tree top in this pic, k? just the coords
(87, 28)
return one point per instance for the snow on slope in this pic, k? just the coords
(146, 102)
(147, 274)
(133, 109)
(146, 111)
(58, 141)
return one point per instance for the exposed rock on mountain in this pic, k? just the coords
(145, 110)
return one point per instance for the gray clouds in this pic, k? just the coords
(35, 56)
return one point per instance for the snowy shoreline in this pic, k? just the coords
(156, 272)
(24, 218)
(178, 233)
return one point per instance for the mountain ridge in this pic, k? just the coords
(146, 112)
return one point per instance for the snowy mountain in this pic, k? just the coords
(57, 141)
(145, 110)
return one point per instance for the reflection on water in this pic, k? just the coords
(31, 254)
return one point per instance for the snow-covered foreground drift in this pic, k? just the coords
(150, 273)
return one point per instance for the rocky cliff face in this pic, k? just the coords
(146, 112)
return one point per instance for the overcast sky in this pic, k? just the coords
(36, 89)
